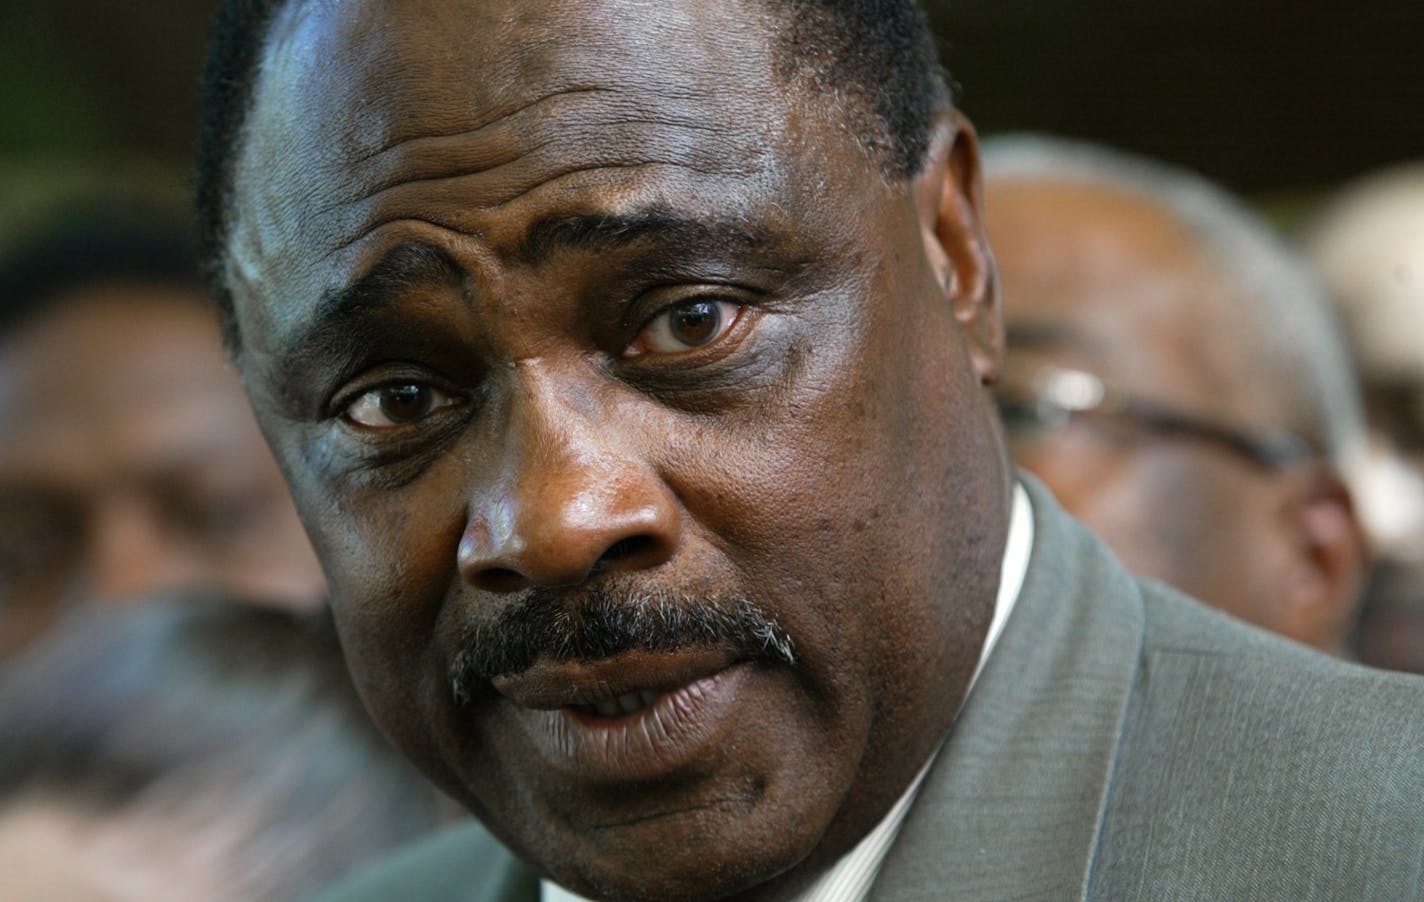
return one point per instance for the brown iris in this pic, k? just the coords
(404, 403)
(695, 323)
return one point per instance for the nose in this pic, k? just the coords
(575, 500)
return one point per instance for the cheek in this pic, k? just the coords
(845, 503)
(388, 550)
(390, 559)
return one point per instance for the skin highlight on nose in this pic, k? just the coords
(575, 496)
(558, 529)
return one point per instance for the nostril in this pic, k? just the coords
(623, 549)
(500, 579)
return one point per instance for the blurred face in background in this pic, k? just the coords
(1175, 460)
(130, 464)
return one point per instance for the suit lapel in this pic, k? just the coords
(1012, 806)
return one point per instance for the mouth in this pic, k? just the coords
(635, 716)
(627, 703)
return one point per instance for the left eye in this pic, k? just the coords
(398, 404)
(684, 327)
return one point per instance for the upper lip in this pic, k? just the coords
(548, 685)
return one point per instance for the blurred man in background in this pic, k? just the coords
(1369, 246)
(129, 460)
(1176, 379)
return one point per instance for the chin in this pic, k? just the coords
(741, 798)
(711, 852)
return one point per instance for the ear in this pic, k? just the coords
(1331, 556)
(949, 195)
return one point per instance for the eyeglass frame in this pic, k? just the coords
(1058, 394)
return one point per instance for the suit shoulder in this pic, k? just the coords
(1244, 756)
(1267, 679)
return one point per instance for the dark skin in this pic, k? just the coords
(1107, 282)
(527, 395)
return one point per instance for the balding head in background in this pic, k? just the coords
(1175, 376)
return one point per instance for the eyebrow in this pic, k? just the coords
(605, 233)
(340, 318)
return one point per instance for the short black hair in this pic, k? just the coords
(90, 243)
(878, 55)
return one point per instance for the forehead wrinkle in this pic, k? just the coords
(338, 87)
(704, 131)
(486, 145)
(462, 203)
(467, 86)
(437, 157)
(404, 142)
(478, 103)
(349, 250)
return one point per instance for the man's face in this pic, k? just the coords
(635, 420)
(1104, 283)
(132, 465)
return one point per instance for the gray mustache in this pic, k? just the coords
(603, 623)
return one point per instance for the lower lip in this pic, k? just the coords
(671, 733)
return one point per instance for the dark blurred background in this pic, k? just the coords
(1265, 96)
(1276, 99)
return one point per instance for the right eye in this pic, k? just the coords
(397, 404)
(686, 326)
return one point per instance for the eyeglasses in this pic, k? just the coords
(1049, 397)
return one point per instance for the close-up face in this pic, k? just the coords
(639, 423)
(132, 467)
(1104, 284)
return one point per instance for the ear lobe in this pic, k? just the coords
(1332, 557)
(949, 194)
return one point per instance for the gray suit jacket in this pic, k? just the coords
(1123, 742)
